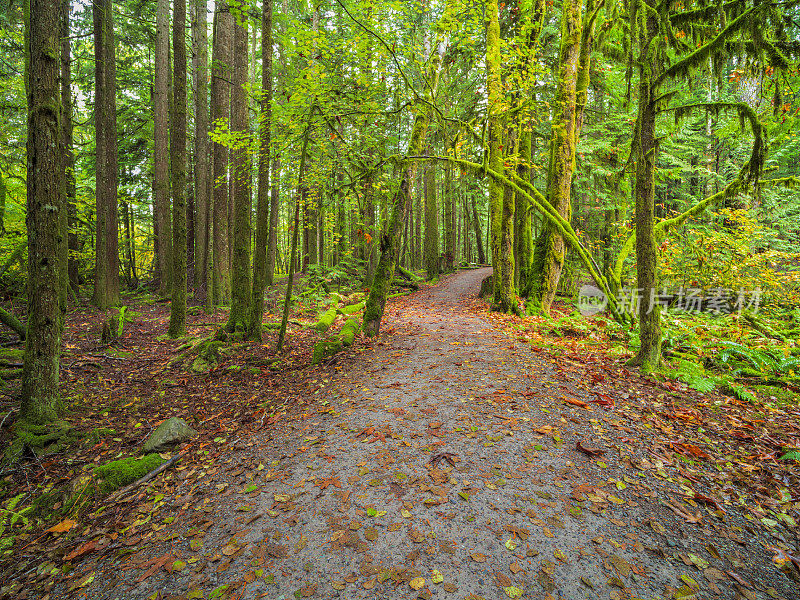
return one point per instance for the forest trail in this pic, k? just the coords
(441, 462)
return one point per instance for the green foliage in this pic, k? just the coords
(119, 473)
(10, 516)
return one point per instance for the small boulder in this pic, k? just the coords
(171, 432)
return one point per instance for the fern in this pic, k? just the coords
(10, 516)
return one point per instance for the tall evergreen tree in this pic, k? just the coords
(177, 317)
(106, 273)
(161, 191)
(45, 205)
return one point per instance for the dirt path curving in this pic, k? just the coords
(441, 462)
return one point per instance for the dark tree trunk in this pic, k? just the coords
(161, 208)
(177, 317)
(45, 203)
(221, 74)
(263, 225)
(202, 163)
(241, 167)
(106, 274)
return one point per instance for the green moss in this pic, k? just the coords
(326, 320)
(100, 432)
(41, 436)
(349, 331)
(119, 473)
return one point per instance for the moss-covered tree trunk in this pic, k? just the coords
(241, 163)
(431, 245)
(501, 205)
(649, 354)
(550, 249)
(202, 162)
(221, 76)
(45, 203)
(263, 202)
(177, 315)
(106, 273)
(476, 225)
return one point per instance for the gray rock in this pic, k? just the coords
(171, 432)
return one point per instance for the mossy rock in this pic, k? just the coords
(122, 472)
(171, 432)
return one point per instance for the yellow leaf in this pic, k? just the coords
(417, 583)
(65, 525)
(436, 576)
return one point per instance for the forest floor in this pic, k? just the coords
(448, 459)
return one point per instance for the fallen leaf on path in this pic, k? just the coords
(589, 451)
(437, 458)
(62, 527)
(81, 550)
(417, 583)
(478, 557)
(575, 402)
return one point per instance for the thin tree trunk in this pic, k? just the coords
(67, 152)
(264, 230)
(292, 258)
(177, 316)
(161, 190)
(431, 221)
(202, 273)
(476, 224)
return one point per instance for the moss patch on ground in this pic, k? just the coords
(119, 473)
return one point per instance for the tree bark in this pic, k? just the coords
(263, 225)
(177, 316)
(501, 205)
(431, 253)
(161, 191)
(649, 355)
(106, 274)
(67, 151)
(202, 180)
(239, 315)
(45, 203)
(221, 74)
(550, 247)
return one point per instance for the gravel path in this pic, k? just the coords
(441, 462)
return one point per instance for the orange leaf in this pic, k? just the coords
(81, 550)
(62, 527)
(575, 402)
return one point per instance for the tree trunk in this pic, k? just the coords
(202, 180)
(649, 355)
(67, 152)
(476, 224)
(274, 213)
(431, 253)
(242, 181)
(501, 205)
(161, 196)
(45, 203)
(106, 274)
(296, 226)
(177, 316)
(263, 225)
(221, 75)
(550, 247)
(450, 218)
